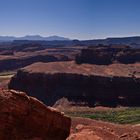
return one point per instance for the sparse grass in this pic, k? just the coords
(125, 116)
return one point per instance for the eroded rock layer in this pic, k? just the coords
(25, 118)
(112, 85)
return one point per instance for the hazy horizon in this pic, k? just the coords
(74, 19)
(68, 37)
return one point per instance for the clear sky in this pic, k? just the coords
(81, 19)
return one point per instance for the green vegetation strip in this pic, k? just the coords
(125, 116)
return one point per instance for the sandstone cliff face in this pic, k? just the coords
(112, 85)
(25, 118)
(105, 55)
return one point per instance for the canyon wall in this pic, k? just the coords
(88, 85)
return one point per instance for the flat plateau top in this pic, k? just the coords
(122, 70)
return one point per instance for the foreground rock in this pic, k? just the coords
(25, 118)
(88, 85)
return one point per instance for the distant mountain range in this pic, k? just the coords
(119, 40)
(32, 37)
(57, 40)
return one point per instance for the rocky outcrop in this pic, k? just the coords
(85, 84)
(25, 118)
(104, 55)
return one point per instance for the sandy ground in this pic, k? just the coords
(87, 129)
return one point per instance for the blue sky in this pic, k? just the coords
(81, 19)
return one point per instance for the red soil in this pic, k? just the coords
(87, 129)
